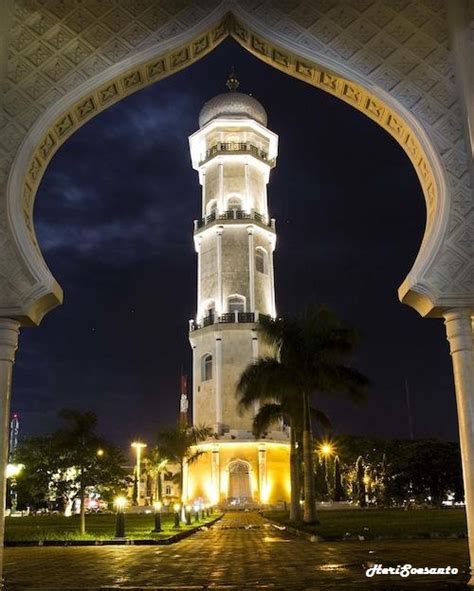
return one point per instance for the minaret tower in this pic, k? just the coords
(233, 152)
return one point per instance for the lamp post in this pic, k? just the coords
(12, 472)
(120, 517)
(177, 508)
(196, 512)
(188, 514)
(138, 446)
(157, 507)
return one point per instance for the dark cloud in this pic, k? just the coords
(114, 218)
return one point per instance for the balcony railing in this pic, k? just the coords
(227, 318)
(234, 214)
(236, 148)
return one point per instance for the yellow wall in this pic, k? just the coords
(277, 488)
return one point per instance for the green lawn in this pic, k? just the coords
(98, 526)
(394, 523)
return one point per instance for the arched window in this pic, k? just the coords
(236, 303)
(234, 202)
(261, 260)
(206, 367)
(168, 490)
(211, 207)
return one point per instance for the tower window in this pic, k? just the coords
(236, 303)
(234, 203)
(211, 207)
(206, 368)
(261, 260)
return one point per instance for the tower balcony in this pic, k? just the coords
(227, 318)
(221, 148)
(234, 215)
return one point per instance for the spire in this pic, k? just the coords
(232, 82)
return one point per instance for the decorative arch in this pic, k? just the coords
(236, 302)
(57, 124)
(239, 480)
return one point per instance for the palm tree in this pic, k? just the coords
(155, 465)
(178, 446)
(289, 409)
(311, 357)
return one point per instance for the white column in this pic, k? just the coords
(9, 330)
(202, 178)
(218, 426)
(215, 475)
(221, 206)
(251, 268)
(459, 334)
(220, 298)
(198, 250)
(185, 492)
(262, 473)
(271, 248)
(196, 370)
(256, 404)
(248, 203)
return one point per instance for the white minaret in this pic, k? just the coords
(233, 151)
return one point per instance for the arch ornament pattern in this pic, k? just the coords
(59, 47)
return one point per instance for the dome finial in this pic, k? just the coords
(232, 82)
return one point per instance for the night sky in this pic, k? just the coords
(114, 217)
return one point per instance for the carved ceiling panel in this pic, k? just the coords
(397, 46)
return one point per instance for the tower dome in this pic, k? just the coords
(232, 104)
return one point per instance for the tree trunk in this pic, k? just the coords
(295, 509)
(82, 496)
(309, 508)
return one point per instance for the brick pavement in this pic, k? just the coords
(242, 551)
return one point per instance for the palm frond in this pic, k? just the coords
(267, 415)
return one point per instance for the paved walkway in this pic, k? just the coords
(242, 551)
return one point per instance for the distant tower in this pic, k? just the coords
(233, 151)
(13, 442)
(184, 404)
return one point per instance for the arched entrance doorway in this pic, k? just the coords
(239, 489)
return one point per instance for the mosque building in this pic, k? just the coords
(233, 152)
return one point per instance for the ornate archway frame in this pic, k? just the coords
(57, 124)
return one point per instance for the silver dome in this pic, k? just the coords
(232, 104)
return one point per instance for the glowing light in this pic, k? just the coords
(176, 507)
(120, 503)
(157, 506)
(100, 452)
(14, 470)
(326, 449)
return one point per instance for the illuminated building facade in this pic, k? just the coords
(233, 152)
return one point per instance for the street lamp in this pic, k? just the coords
(326, 449)
(100, 452)
(138, 446)
(177, 508)
(120, 503)
(12, 472)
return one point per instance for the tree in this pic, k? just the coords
(179, 446)
(311, 353)
(254, 386)
(321, 479)
(359, 489)
(155, 465)
(64, 464)
(339, 494)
